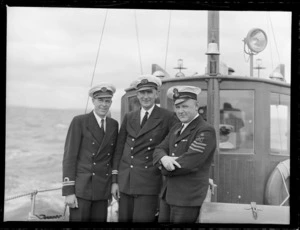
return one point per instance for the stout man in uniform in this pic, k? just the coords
(89, 149)
(136, 182)
(185, 157)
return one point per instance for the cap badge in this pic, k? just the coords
(144, 81)
(176, 93)
(103, 89)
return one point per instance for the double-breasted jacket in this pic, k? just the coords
(88, 158)
(133, 155)
(194, 147)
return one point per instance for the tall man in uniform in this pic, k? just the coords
(88, 153)
(136, 182)
(185, 157)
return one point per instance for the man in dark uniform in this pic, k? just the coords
(185, 157)
(89, 149)
(136, 182)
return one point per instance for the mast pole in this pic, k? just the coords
(213, 93)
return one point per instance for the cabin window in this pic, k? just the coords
(279, 124)
(134, 104)
(236, 121)
(202, 99)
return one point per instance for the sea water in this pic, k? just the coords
(34, 147)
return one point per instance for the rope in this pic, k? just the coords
(30, 193)
(18, 196)
(274, 38)
(168, 39)
(97, 57)
(45, 217)
(137, 36)
(270, 44)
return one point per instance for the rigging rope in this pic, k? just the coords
(168, 39)
(137, 36)
(30, 193)
(268, 15)
(274, 37)
(97, 57)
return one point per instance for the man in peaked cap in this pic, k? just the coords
(136, 182)
(89, 148)
(184, 158)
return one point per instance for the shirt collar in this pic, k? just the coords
(143, 111)
(99, 119)
(186, 124)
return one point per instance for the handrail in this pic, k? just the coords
(31, 193)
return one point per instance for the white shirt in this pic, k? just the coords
(143, 111)
(99, 120)
(186, 124)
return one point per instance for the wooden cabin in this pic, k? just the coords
(258, 110)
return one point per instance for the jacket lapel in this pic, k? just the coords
(188, 129)
(152, 121)
(134, 123)
(93, 127)
(108, 133)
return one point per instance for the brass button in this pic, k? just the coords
(131, 166)
(173, 154)
(93, 174)
(149, 148)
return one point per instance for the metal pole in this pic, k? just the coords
(213, 34)
(251, 65)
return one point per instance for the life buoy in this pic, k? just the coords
(277, 188)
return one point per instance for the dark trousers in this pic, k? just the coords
(177, 214)
(95, 211)
(137, 208)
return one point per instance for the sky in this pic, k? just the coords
(52, 52)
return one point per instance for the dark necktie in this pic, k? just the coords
(144, 119)
(102, 127)
(180, 130)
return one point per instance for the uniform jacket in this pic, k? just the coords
(194, 147)
(133, 156)
(86, 163)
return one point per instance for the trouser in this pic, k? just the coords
(137, 208)
(177, 214)
(95, 211)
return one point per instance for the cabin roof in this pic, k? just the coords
(223, 77)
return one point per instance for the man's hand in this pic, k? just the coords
(115, 191)
(169, 163)
(71, 201)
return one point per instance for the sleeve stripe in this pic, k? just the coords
(197, 146)
(69, 183)
(199, 143)
(195, 149)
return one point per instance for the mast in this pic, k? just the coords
(213, 93)
(213, 34)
